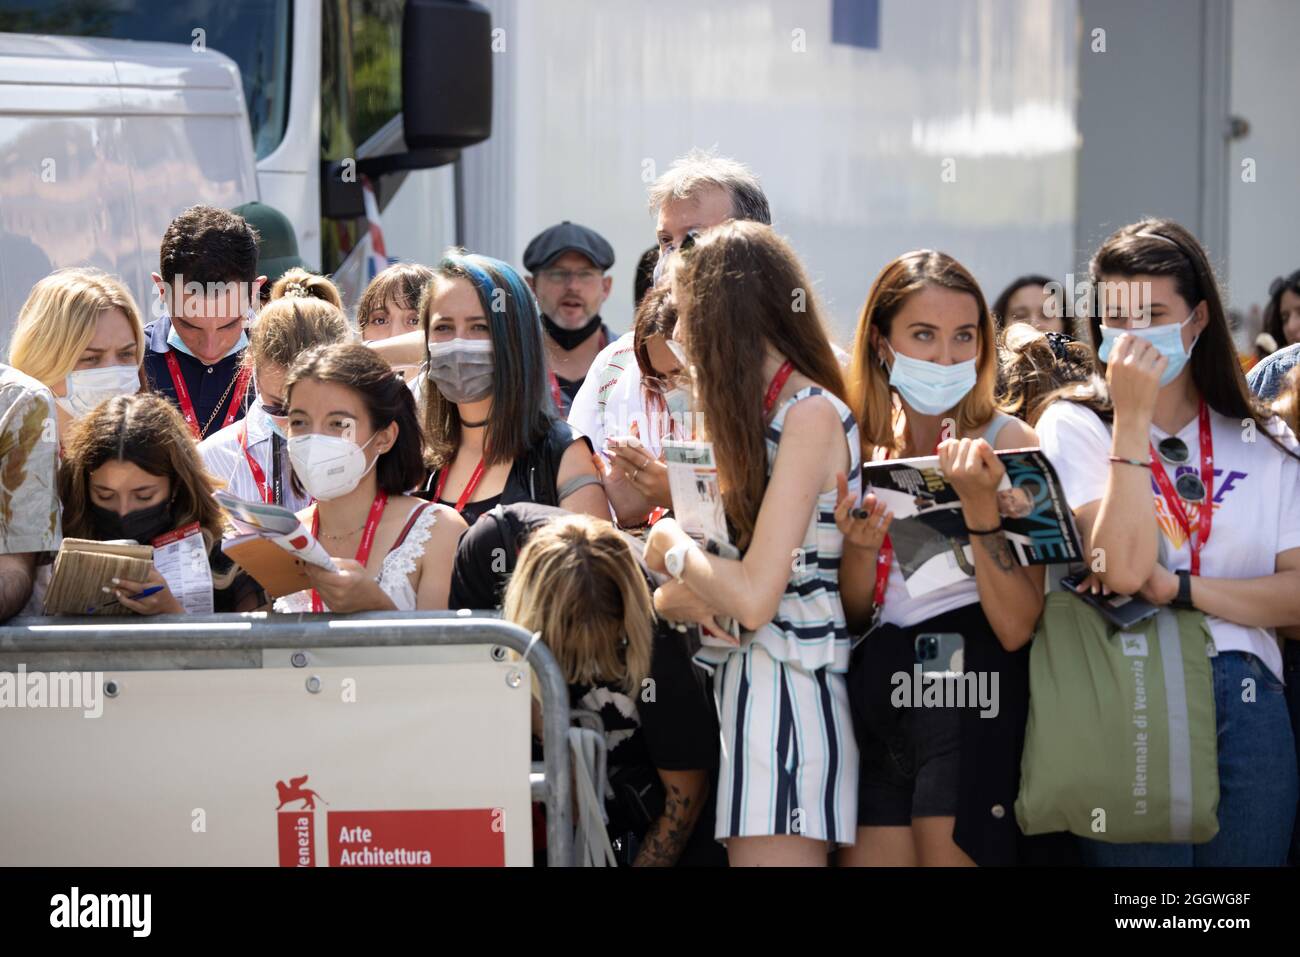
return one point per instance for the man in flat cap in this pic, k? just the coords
(567, 265)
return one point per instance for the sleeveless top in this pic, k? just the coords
(904, 610)
(808, 629)
(395, 574)
(533, 476)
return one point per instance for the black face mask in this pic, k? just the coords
(570, 339)
(143, 525)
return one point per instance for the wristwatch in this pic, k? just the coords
(675, 559)
(1184, 597)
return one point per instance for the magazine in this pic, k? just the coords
(274, 523)
(928, 533)
(697, 506)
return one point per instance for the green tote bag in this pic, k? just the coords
(1121, 744)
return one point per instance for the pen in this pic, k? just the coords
(152, 590)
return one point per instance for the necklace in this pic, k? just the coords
(335, 538)
(220, 403)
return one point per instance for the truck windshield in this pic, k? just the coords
(253, 33)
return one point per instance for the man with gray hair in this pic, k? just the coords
(699, 190)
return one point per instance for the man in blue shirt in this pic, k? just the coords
(207, 286)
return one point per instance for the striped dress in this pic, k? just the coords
(789, 759)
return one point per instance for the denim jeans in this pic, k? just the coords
(1291, 668)
(1258, 786)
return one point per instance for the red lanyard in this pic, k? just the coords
(778, 383)
(367, 538)
(557, 394)
(258, 475)
(885, 558)
(1196, 541)
(469, 486)
(183, 394)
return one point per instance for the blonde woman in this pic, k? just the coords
(937, 786)
(579, 583)
(79, 333)
(251, 455)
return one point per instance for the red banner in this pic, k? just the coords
(461, 838)
(297, 838)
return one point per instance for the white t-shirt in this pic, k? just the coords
(1256, 502)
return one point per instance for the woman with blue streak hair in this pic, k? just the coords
(491, 429)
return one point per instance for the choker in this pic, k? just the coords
(472, 425)
(570, 339)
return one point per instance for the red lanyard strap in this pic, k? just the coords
(778, 383)
(259, 476)
(469, 486)
(367, 538)
(1205, 517)
(885, 558)
(187, 406)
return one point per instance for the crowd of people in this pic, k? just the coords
(477, 437)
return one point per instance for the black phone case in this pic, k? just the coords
(1122, 611)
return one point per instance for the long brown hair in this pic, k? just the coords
(579, 585)
(147, 431)
(872, 401)
(1033, 364)
(1161, 247)
(745, 290)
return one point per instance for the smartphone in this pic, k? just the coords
(1122, 611)
(940, 652)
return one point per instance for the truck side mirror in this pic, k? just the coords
(446, 74)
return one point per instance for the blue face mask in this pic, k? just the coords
(176, 342)
(1168, 339)
(929, 387)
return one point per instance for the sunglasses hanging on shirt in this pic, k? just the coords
(1174, 451)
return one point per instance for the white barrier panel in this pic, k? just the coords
(388, 765)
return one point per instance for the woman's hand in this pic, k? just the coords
(648, 475)
(863, 527)
(159, 603)
(674, 602)
(350, 589)
(1133, 377)
(975, 471)
(1161, 588)
(665, 534)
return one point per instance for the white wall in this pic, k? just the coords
(1264, 216)
(849, 143)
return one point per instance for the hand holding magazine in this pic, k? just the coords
(928, 533)
(280, 573)
(697, 506)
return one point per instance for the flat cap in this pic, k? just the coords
(550, 244)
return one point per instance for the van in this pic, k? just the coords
(102, 143)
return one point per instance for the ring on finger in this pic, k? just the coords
(636, 473)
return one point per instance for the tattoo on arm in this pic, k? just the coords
(667, 837)
(998, 549)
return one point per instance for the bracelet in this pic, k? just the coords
(1119, 459)
(984, 531)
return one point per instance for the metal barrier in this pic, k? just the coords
(236, 641)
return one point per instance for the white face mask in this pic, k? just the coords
(328, 466)
(87, 388)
